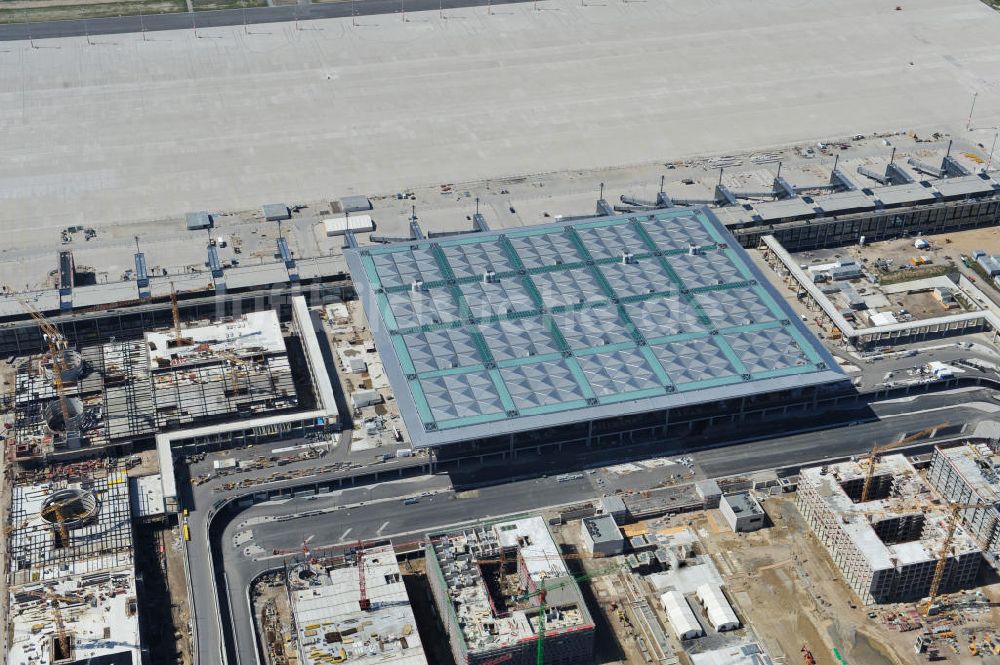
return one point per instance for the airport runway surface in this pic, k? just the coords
(124, 129)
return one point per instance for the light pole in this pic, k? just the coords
(968, 123)
(27, 22)
(989, 162)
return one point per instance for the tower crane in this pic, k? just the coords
(176, 313)
(57, 345)
(58, 518)
(61, 636)
(542, 593)
(234, 362)
(879, 449)
(359, 557)
(954, 517)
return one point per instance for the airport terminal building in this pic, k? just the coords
(609, 330)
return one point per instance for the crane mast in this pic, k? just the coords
(879, 449)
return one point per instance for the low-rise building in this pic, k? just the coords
(989, 262)
(742, 512)
(709, 492)
(487, 581)
(601, 536)
(614, 506)
(336, 624)
(970, 474)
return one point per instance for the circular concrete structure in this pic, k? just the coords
(71, 362)
(54, 416)
(70, 508)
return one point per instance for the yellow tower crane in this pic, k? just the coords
(176, 312)
(235, 362)
(57, 346)
(879, 449)
(61, 636)
(954, 518)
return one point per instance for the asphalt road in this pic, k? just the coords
(383, 514)
(227, 17)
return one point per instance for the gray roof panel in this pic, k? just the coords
(565, 330)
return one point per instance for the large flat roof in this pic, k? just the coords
(563, 329)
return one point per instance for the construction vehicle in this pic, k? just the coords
(879, 449)
(807, 656)
(954, 518)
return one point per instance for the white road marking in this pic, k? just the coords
(344, 535)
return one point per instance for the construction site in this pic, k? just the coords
(81, 522)
(505, 595)
(356, 611)
(893, 541)
(877, 295)
(71, 576)
(79, 401)
(641, 578)
(970, 475)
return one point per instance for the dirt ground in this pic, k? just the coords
(272, 597)
(944, 247)
(20, 11)
(788, 589)
(164, 611)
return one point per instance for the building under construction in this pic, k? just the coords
(71, 574)
(501, 588)
(356, 613)
(970, 474)
(72, 403)
(887, 547)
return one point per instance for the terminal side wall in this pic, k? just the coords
(875, 226)
(649, 427)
